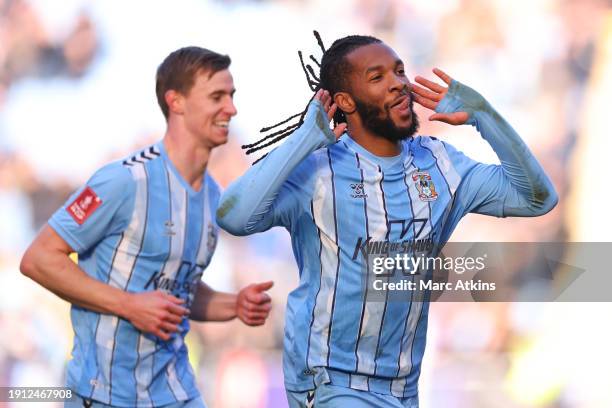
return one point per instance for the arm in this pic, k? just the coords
(520, 184)
(47, 262)
(251, 304)
(245, 207)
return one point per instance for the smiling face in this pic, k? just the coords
(380, 92)
(208, 107)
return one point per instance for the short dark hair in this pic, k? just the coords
(178, 71)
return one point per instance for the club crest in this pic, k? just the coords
(425, 186)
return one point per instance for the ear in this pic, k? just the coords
(175, 101)
(345, 102)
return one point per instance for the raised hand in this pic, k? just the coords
(431, 93)
(157, 313)
(253, 304)
(330, 108)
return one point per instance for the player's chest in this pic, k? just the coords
(173, 228)
(394, 204)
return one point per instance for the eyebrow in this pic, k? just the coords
(380, 67)
(223, 92)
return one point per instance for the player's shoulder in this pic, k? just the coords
(120, 176)
(113, 181)
(114, 173)
(142, 156)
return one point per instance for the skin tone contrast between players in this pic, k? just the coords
(146, 226)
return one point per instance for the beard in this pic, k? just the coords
(379, 122)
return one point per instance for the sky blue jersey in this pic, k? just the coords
(334, 196)
(137, 226)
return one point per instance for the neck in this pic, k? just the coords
(187, 156)
(372, 142)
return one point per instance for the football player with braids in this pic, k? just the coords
(372, 179)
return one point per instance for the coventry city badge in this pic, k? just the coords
(425, 186)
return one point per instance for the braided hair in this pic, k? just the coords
(334, 70)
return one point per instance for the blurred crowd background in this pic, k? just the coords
(77, 90)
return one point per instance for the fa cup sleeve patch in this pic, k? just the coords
(85, 204)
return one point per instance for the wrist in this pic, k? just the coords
(317, 126)
(233, 306)
(462, 98)
(122, 305)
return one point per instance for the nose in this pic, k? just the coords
(399, 83)
(231, 108)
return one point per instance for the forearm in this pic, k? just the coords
(57, 273)
(247, 200)
(530, 191)
(210, 305)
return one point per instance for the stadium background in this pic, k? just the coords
(77, 90)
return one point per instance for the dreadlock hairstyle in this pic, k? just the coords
(333, 71)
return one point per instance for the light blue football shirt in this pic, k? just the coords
(333, 197)
(150, 231)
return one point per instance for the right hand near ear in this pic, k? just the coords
(157, 312)
(325, 98)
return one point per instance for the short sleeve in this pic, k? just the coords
(102, 207)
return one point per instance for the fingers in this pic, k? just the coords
(443, 76)
(428, 103)
(169, 327)
(263, 286)
(256, 299)
(171, 298)
(162, 335)
(173, 318)
(332, 111)
(437, 97)
(340, 129)
(325, 98)
(254, 322)
(255, 317)
(255, 309)
(180, 311)
(429, 84)
(254, 294)
(254, 314)
(252, 301)
(318, 95)
(456, 118)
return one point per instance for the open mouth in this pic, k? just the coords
(222, 124)
(402, 104)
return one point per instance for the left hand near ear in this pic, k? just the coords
(432, 94)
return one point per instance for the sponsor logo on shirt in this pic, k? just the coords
(358, 191)
(182, 284)
(85, 204)
(425, 186)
